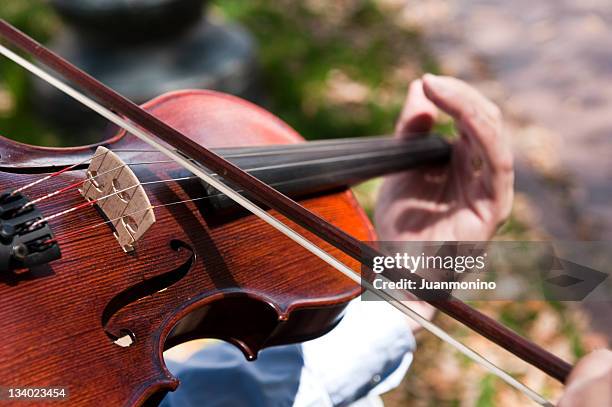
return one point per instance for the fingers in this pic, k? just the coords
(589, 383)
(418, 114)
(487, 148)
(595, 364)
(475, 116)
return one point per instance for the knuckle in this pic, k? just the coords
(505, 163)
(482, 121)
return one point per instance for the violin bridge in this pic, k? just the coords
(119, 195)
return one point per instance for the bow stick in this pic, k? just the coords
(183, 146)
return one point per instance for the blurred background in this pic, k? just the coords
(341, 69)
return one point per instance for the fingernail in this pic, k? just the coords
(432, 79)
(436, 83)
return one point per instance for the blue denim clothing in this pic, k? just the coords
(367, 354)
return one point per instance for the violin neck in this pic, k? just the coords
(299, 170)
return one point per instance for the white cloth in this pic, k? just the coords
(366, 355)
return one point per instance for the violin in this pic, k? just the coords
(200, 270)
(169, 231)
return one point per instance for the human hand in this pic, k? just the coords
(590, 383)
(464, 200)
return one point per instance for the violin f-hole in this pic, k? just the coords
(144, 289)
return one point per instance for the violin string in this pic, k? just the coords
(55, 174)
(347, 157)
(52, 194)
(297, 148)
(274, 150)
(316, 146)
(211, 196)
(216, 195)
(252, 169)
(76, 184)
(327, 160)
(67, 211)
(93, 201)
(79, 230)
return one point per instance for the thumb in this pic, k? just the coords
(418, 114)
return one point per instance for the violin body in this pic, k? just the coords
(195, 274)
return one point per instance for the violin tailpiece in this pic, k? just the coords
(119, 195)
